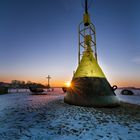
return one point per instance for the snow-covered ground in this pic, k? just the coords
(132, 99)
(47, 117)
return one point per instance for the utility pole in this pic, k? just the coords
(48, 77)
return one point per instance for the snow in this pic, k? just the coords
(132, 99)
(47, 117)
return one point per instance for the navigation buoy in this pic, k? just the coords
(89, 86)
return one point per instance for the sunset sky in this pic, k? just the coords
(40, 38)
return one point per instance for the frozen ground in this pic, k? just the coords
(133, 99)
(47, 117)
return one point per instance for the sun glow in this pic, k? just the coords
(68, 84)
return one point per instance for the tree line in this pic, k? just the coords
(21, 84)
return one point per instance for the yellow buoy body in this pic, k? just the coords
(89, 86)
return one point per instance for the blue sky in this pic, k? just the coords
(40, 37)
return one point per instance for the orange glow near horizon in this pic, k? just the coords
(126, 82)
(54, 82)
(60, 81)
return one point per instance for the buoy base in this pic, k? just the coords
(92, 92)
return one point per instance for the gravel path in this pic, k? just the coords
(47, 117)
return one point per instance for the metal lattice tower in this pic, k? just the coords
(86, 27)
